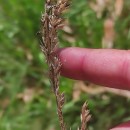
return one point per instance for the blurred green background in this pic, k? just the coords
(26, 100)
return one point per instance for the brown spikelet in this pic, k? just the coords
(51, 21)
(85, 117)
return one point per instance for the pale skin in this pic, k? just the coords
(106, 67)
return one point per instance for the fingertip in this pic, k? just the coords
(124, 126)
(71, 59)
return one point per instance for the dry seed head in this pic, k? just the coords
(85, 117)
(50, 23)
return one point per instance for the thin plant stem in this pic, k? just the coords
(51, 21)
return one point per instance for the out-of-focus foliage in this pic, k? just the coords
(26, 100)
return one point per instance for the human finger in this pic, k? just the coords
(124, 126)
(107, 67)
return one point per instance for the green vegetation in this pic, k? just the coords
(26, 102)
